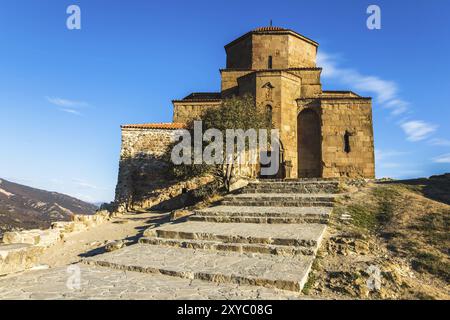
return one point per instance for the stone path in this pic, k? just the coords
(273, 271)
(280, 199)
(261, 233)
(267, 253)
(258, 244)
(104, 283)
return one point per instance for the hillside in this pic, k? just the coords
(23, 207)
(396, 233)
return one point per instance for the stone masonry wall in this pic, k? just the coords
(140, 167)
(354, 116)
(185, 111)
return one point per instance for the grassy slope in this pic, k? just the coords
(402, 228)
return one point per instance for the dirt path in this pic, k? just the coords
(87, 243)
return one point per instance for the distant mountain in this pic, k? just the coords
(23, 207)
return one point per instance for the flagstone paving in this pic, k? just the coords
(99, 283)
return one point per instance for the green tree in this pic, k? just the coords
(233, 113)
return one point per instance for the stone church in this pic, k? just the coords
(323, 133)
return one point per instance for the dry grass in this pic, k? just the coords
(407, 232)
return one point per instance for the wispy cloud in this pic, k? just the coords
(72, 111)
(444, 158)
(440, 142)
(68, 106)
(417, 130)
(66, 102)
(385, 92)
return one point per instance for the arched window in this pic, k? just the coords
(269, 63)
(347, 141)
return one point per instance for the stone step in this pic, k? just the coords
(280, 199)
(275, 203)
(304, 235)
(270, 220)
(308, 187)
(234, 247)
(273, 271)
(248, 211)
(283, 197)
(105, 283)
(267, 189)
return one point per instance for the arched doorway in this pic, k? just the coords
(309, 144)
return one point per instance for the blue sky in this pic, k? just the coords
(65, 93)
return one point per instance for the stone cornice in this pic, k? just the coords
(257, 70)
(334, 98)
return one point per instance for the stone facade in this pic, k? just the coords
(326, 134)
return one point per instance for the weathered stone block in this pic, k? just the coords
(49, 237)
(28, 236)
(18, 257)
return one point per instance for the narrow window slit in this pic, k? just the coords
(347, 141)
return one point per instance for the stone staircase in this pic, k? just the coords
(265, 235)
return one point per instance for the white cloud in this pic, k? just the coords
(445, 158)
(397, 106)
(66, 105)
(417, 130)
(440, 142)
(385, 91)
(65, 102)
(72, 111)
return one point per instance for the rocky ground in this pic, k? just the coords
(127, 228)
(61, 261)
(390, 240)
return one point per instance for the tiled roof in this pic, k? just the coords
(193, 100)
(203, 95)
(271, 28)
(170, 126)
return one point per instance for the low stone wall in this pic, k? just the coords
(20, 250)
(18, 257)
